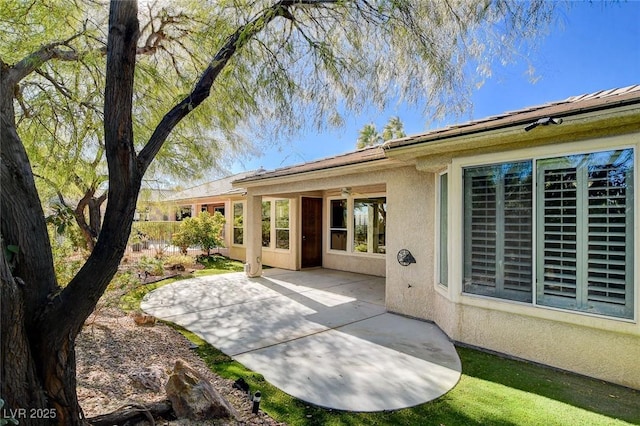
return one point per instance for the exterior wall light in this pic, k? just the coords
(543, 122)
(405, 258)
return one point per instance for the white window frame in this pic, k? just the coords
(270, 201)
(330, 228)
(439, 227)
(350, 249)
(272, 225)
(233, 224)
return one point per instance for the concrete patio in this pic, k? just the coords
(320, 335)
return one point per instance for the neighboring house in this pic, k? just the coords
(153, 205)
(522, 229)
(216, 196)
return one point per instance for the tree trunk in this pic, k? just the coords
(18, 366)
(91, 230)
(40, 321)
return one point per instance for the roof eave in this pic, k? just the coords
(611, 118)
(359, 167)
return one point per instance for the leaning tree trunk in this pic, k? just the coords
(34, 390)
(26, 277)
(40, 321)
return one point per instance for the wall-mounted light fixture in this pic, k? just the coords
(543, 122)
(405, 258)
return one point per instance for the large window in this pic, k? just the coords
(497, 223)
(183, 212)
(238, 223)
(275, 224)
(584, 232)
(358, 225)
(282, 224)
(338, 228)
(585, 244)
(369, 223)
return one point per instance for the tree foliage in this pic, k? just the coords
(204, 231)
(137, 92)
(61, 111)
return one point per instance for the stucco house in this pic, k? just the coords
(516, 233)
(216, 196)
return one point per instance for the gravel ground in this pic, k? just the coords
(111, 347)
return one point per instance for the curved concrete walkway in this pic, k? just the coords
(322, 336)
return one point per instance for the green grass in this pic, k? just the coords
(216, 264)
(492, 391)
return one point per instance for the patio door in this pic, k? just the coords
(311, 244)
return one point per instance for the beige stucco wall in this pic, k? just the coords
(605, 354)
(597, 346)
(326, 185)
(237, 252)
(374, 265)
(285, 258)
(410, 225)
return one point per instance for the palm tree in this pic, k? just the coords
(393, 129)
(369, 135)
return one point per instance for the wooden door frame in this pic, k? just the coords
(319, 227)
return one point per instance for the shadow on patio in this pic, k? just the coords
(322, 336)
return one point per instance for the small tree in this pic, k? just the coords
(205, 231)
(210, 230)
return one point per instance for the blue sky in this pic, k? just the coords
(593, 47)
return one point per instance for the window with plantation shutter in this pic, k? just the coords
(585, 232)
(497, 231)
(443, 237)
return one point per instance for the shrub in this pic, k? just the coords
(180, 259)
(205, 231)
(150, 266)
(182, 239)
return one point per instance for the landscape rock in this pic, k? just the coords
(143, 319)
(194, 398)
(153, 377)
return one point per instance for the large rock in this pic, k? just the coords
(193, 397)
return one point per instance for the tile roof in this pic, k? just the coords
(569, 106)
(360, 156)
(218, 187)
(572, 105)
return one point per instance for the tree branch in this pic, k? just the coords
(33, 61)
(55, 188)
(202, 89)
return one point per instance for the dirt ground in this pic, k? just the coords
(111, 347)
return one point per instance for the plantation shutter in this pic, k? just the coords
(585, 248)
(444, 231)
(498, 223)
(518, 267)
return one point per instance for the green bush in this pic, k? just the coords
(156, 231)
(150, 266)
(205, 231)
(180, 259)
(67, 257)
